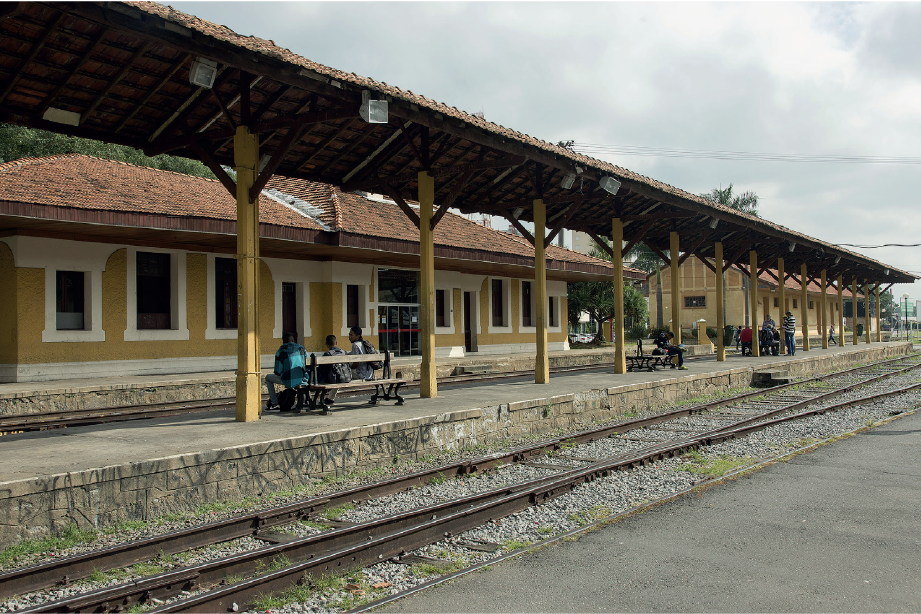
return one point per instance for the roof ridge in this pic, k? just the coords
(29, 160)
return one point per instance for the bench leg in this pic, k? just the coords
(378, 392)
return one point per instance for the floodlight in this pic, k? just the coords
(713, 223)
(517, 212)
(792, 246)
(886, 271)
(838, 259)
(568, 180)
(203, 72)
(373, 111)
(263, 161)
(609, 184)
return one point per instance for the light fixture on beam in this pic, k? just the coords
(609, 184)
(517, 212)
(568, 180)
(837, 259)
(792, 246)
(713, 223)
(60, 116)
(203, 72)
(886, 271)
(372, 111)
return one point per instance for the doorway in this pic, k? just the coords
(289, 309)
(470, 344)
(399, 329)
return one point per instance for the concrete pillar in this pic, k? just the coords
(617, 241)
(428, 385)
(249, 375)
(676, 287)
(720, 320)
(879, 330)
(753, 293)
(542, 361)
(781, 300)
(866, 311)
(804, 305)
(824, 308)
(854, 306)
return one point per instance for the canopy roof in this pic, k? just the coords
(119, 72)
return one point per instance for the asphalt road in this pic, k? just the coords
(835, 530)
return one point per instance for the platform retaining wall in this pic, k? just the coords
(143, 490)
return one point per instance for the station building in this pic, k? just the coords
(698, 300)
(111, 269)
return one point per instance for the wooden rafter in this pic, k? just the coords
(367, 167)
(325, 142)
(706, 263)
(163, 81)
(441, 171)
(36, 47)
(520, 227)
(216, 168)
(176, 123)
(658, 252)
(278, 155)
(450, 198)
(638, 236)
(560, 223)
(735, 257)
(394, 194)
(690, 252)
(64, 82)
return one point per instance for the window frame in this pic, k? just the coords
(179, 330)
(500, 289)
(691, 299)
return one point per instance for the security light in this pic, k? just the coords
(713, 223)
(886, 271)
(203, 72)
(568, 180)
(609, 184)
(792, 246)
(372, 111)
(517, 212)
(838, 259)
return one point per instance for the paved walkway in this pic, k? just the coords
(836, 530)
(29, 455)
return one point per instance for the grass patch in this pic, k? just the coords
(72, 536)
(711, 467)
(546, 530)
(438, 478)
(332, 513)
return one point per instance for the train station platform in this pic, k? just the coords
(99, 475)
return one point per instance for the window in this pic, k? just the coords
(225, 293)
(440, 308)
(794, 303)
(398, 286)
(153, 291)
(551, 314)
(498, 303)
(811, 305)
(352, 309)
(776, 302)
(695, 301)
(70, 300)
(526, 302)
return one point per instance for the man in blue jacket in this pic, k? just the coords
(290, 368)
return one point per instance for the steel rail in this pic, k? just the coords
(67, 569)
(229, 598)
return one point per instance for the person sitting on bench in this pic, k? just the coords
(746, 338)
(361, 370)
(675, 349)
(290, 368)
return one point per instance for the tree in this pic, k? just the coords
(747, 202)
(598, 299)
(21, 142)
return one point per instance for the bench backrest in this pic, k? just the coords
(319, 359)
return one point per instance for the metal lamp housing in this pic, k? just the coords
(609, 184)
(203, 72)
(373, 111)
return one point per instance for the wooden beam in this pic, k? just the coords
(706, 263)
(394, 194)
(163, 81)
(216, 168)
(278, 155)
(114, 81)
(442, 171)
(524, 231)
(36, 47)
(325, 142)
(388, 149)
(735, 257)
(694, 246)
(63, 83)
(638, 237)
(450, 198)
(559, 224)
(655, 250)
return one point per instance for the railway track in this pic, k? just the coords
(347, 544)
(87, 417)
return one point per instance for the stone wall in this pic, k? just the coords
(147, 489)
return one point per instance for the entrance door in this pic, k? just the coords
(399, 329)
(289, 309)
(469, 333)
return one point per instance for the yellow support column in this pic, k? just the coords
(617, 242)
(866, 311)
(879, 331)
(753, 299)
(854, 310)
(840, 310)
(824, 307)
(676, 287)
(720, 320)
(428, 385)
(804, 305)
(542, 361)
(782, 301)
(249, 384)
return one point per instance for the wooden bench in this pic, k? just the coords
(323, 396)
(646, 361)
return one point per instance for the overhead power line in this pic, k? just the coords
(883, 245)
(594, 149)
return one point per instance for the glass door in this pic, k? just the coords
(399, 329)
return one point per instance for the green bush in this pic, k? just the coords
(635, 332)
(729, 332)
(859, 330)
(653, 332)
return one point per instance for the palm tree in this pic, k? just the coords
(747, 202)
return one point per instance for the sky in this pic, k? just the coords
(803, 80)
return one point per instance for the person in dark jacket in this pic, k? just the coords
(290, 368)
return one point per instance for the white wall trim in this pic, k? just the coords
(449, 309)
(92, 312)
(178, 312)
(290, 271)
(517, 348)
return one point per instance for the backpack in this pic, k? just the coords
(369, 349)
(339, 373)
(286, 399)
